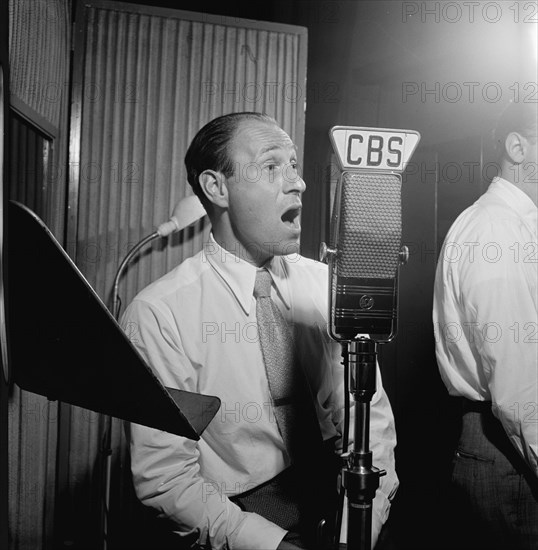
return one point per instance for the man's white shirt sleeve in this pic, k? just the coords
(165, 467)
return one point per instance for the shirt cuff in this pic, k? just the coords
(258, 533)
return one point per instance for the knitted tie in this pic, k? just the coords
(292, 401)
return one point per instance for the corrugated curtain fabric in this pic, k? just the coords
(146, 79)
(39, 40)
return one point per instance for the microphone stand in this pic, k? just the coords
(359, 478)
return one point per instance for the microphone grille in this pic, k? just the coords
(370, 226)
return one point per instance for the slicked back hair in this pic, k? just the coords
(209, 149)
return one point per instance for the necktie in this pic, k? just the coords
(292, 401)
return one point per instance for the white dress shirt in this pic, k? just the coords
(196, 327)
(485, 311)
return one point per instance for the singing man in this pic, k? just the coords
(245, 320)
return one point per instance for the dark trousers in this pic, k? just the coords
(494, 494)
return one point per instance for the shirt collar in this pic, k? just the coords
(239, 275)
(519, 201)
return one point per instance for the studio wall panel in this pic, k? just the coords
(145, 80)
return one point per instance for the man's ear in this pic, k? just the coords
(515, 147)
(214, 186)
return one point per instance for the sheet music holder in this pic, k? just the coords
(66, 345)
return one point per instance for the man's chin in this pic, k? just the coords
(288, 247)
(261, 251)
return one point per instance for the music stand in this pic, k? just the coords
(66, 345)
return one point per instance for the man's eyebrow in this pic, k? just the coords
(270, 148)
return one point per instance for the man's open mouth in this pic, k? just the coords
(291, 217)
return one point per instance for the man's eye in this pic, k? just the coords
(291, 171)
(292, 168)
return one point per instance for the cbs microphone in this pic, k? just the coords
(364, 257)
(365, 252)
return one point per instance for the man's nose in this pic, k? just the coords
(301, 185)
(294, 182)
(296, 185)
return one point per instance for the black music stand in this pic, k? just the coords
(66, 345)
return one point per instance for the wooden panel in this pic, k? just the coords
(32, 419)
(32, 465)
(26, 166)
(145, 80)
